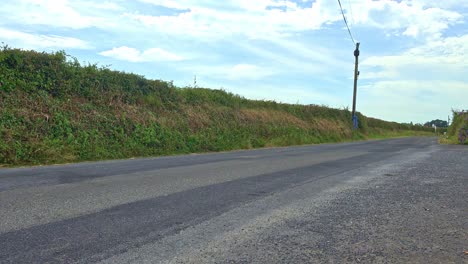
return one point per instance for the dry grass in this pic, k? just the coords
(248, 116)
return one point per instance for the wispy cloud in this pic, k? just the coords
(134, 55)
(238, 72)
(406, 100)
(205, 20)
(73, 14)
(28, 40)
(430, 78)
(442, 60)
(413, 18)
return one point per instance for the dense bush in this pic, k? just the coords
(52, 109)
(458, 130)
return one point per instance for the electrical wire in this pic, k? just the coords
(346, 22)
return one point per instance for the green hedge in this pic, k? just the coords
(52, 109)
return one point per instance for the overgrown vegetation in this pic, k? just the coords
(458, 131)
(54, 110)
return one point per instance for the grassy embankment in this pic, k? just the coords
(54, 110)
(457, 132)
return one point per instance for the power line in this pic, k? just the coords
(346, 22)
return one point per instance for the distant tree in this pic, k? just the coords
(437, 123)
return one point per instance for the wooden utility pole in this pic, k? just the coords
(356, 75)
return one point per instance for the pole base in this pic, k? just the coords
(355, 122)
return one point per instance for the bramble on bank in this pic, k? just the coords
(54, 110)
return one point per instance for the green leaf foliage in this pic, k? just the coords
(55, 110)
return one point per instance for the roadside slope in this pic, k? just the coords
(54, 110)
(458, 131)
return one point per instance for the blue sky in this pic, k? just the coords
(414, 53)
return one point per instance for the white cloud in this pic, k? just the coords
(74, 14)
(238, 72)
(239, 18)
(134, 55)
(414, 88)
(106, 5)
(442, 4)
(417, 101)
(31, 41)
(422, 81)
(235, 18)
(451, 49)
(53, 13)
(166, 3)
(444, 57)
(248, 72)
(412, 18)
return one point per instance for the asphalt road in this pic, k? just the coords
(389, 201)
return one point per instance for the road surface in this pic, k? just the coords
(388, 201)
